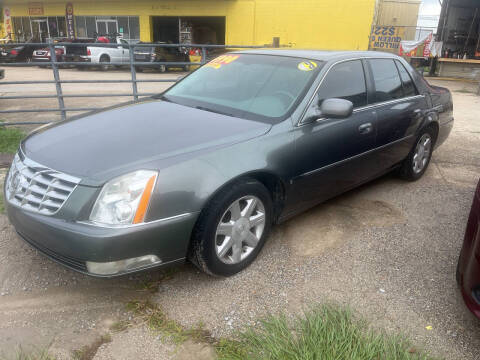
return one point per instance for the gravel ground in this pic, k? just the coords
(387, 249)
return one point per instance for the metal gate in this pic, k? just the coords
(58, 82)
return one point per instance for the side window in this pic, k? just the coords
(388, 85)
(345, 81)
(408, 86)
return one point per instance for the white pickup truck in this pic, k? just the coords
(102, 55)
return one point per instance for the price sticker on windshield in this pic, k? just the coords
(307, 65)
(218, 62)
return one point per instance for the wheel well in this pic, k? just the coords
(105, 56)
(276, 188)
(434, 126)
(272, 182)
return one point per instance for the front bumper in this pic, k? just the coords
(73, 244)
(468, 271)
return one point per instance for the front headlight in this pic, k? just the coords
(124, 200)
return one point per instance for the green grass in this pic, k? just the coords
(36, 355)
(325, 332)
(153, 316)
(9, 139)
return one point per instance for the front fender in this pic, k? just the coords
(187, 186)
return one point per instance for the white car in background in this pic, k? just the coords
(103, 55)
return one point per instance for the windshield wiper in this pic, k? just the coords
(213, 111)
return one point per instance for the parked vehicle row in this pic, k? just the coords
(157, 54)
(98, 55)
(13, 52)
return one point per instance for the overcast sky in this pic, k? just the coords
(430, 7)
(429, 13)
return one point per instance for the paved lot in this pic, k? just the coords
(387, 249)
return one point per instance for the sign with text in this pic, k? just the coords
(386, 37)
(420, 48)
(35, 8)
(70, 24)
(7, 22)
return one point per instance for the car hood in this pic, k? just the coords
(105, 144)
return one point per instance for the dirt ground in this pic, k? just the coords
(388, 250)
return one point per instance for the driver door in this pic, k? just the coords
(333, 154)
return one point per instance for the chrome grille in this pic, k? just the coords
(37, 188)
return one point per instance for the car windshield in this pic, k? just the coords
(257, 87)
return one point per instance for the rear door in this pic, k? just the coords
(333, 154)
(399, 110)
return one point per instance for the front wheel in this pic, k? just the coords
(415, 165)
(232, 229)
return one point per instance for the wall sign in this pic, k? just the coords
(35, 8)
(386, 37)
(8, 22)
(70, 24)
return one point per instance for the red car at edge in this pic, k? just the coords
(468, 269)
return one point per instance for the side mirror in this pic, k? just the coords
(336, 108)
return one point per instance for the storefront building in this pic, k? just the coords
(326, 24)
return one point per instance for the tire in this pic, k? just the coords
(410, 169)
(186, 68)
(104, 59)
(138, 69)
(207, 245)
(162, 68)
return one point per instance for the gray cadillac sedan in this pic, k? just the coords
(202, 171)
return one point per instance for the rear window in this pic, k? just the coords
(408, 85)
(388, 85)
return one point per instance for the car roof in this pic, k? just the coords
(318, 54)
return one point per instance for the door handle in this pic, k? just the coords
(365, 128)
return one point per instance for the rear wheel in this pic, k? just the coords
(138, 69)
(104, 60)
(415, 165)
(232, 229)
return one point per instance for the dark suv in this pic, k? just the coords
(160, 54)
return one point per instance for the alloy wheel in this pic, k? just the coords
(240, 229)
(422, 153)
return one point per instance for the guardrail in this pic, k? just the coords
(58, 82)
